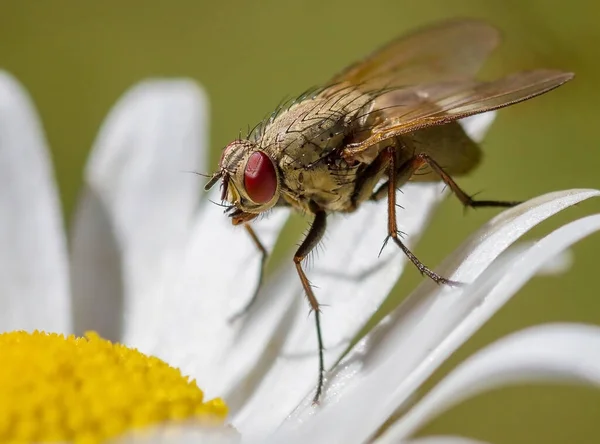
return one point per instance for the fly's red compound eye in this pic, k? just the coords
(260, 179)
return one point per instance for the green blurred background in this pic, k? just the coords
(76, 58)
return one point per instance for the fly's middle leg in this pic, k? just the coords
(398, 175)
(393, 233)
(410, 167)
(464, 198)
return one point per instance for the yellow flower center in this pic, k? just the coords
(56, 388)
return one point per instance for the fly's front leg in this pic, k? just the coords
(392, 224)
(313, 237)
(263, 262)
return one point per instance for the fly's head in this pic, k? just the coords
(249, 180)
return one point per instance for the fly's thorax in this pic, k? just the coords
(313, 128)
(250, 177)
(305, 140)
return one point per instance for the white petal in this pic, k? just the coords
(351, 281)
(435, 440)
(559, 264)
(478, 125)
(216, 277)
(518, 274)
(556, 265)
(560, 353)
(138, 204)
(34, 281)
(180, 434)
(387, 366)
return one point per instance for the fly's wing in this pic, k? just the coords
(412, 109)
(449, 51)
(425, 79)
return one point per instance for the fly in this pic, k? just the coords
(367, 132)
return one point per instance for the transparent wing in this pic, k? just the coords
(410, 109)
(449, 51)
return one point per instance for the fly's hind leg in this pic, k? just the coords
(415, 163)
(264, 255)
(464, 198)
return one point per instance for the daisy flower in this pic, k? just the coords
(156, 268)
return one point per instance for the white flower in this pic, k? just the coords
(155, 265)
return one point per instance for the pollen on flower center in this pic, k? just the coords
(57, 388)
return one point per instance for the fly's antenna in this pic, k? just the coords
(213, 180)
